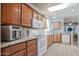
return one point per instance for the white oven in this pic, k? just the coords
(41, 45)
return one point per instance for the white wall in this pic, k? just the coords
(78, 22)
(0, 28)
(62, 25)
(35, 8)
(0, 12)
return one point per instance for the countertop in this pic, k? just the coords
(6, 44)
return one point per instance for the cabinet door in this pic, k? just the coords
(35, 15)
(48, 42)
(39, 17)
(20, 53)
(11, 13)
(59, 38)
(13, 49)
(32, 53)
(32, 47)
(26, 15)
(55, 38)
(44, 20)
(52, 38)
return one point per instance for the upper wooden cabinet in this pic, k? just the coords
(44, 20)
(26, 15)
(35, 14)
(39, 17)
(10, 13)
(56, 25)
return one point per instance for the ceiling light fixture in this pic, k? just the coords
(58, 7)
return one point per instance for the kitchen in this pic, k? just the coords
(30, 29)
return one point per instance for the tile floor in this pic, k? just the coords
(61, 49)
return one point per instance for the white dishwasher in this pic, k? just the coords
(41, 45)
(66, 38)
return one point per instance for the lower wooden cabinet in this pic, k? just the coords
(20, 53)
(28, 48)
(32, 53)
(32, 47)
(50, 40)
(11, 50)
(57, 38)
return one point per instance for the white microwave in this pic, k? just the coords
(37, 24)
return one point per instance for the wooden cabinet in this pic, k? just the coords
(32, 53)
(39, 17)
(28, 48)
(20, 53)
(32, 47)
(10, 13)
(50, 40)
(14, 50)
(57, 38)
(56, 25)
(35, 15)
(26, 15)
(44, 20)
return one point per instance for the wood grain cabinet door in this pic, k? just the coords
(32, 53)
(44, 20)
(20, 53)
(13, 49)
(52, 38)
(26, 15)
(11, 13)
(48, 42)
(32, 47)
(55, 38)
(59, 38)
(35, 15)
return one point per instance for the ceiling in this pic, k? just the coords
(70, 11)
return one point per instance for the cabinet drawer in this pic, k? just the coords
(31, 42)
(31, 48)
(20, 53)
(13, 49)
(32, 53)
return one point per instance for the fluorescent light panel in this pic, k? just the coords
(58, 7)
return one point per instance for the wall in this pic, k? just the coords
(35, 8)
(0, 13)
(78, 22)
(62, 26)
(0, 28)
